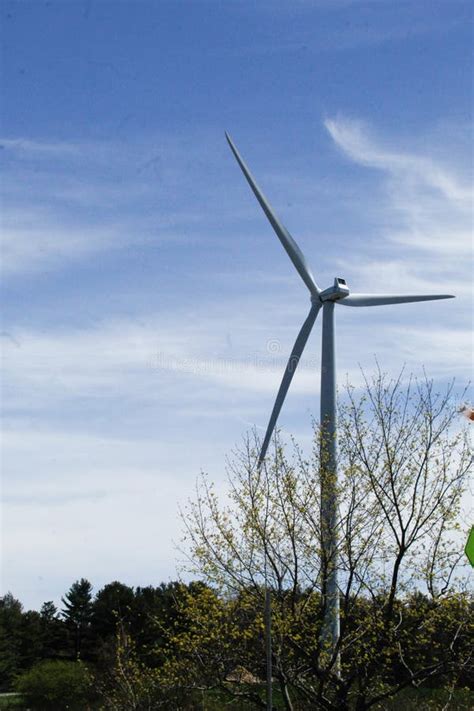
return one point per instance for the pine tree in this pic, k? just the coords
(53, 631)
(77, 613)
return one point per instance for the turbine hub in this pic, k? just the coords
(336, 292)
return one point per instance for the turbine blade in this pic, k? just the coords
(386, 299)
(288, 376)
(292, 249)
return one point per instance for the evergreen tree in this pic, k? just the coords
(31, 639)
(112, 606)
(11, 612)
(77, 614)
(49, 611)
(53, 631)
(155, 609)
(111, 617)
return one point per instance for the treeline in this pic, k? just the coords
(86, 626)
(161, 644)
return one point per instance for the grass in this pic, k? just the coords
(429, 700)
(408, 700)
(421, 699)
(11, 701)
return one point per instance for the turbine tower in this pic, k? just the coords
(326, 300)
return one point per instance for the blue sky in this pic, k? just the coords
(148, 308)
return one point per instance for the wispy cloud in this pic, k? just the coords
(65, 201)
(355, 139)
(47, 220)
(44, 239)
(32, 241)
(135, 360)
(27, 147)
(373, 23)
(426, 205)
(166, 363)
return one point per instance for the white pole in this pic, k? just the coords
(330, 630)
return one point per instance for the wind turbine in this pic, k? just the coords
(326, 300)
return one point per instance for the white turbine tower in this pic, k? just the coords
(326, 300)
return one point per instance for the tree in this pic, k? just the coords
(49, 611)
(148, 667)
(26, 637)
(32, 643)
(112, 606)
(57, 685)
(215, 643)
(130, 684)
(154, 613)
(53, 631)
(11, 614)
(77, 613)
(403, 462)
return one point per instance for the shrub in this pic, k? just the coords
(56, 685)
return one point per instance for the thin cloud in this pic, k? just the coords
(40, 148)
(35, 241)
(101, 196)
(133, 359)
(425, 205)
(354, 138)
(40, 246)
(161, 361)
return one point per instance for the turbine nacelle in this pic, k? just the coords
(338, 291)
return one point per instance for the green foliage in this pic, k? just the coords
(154, 612)
(56, 685)
(204, 649)
(130, 684)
